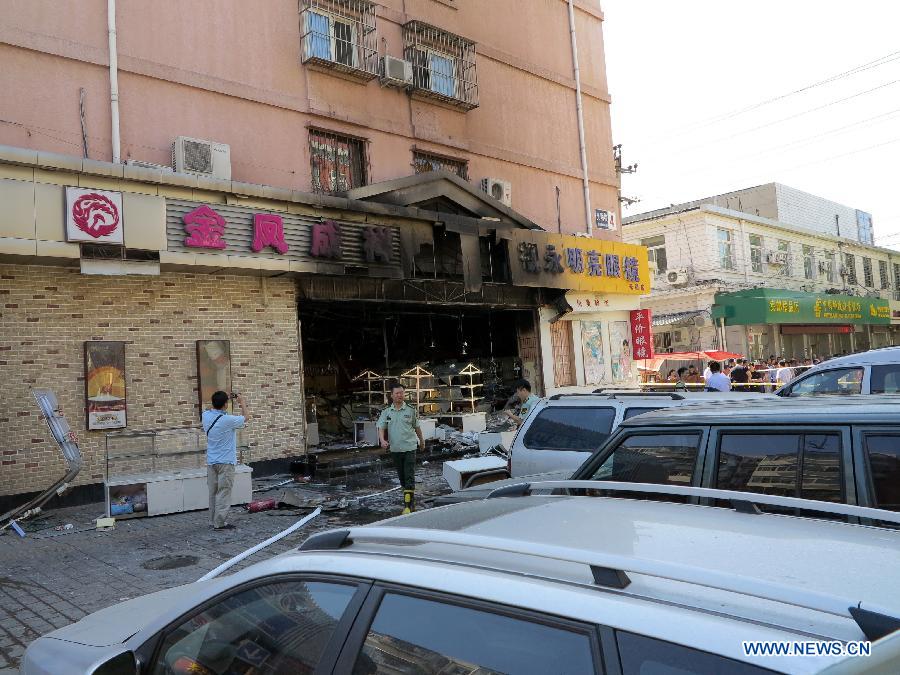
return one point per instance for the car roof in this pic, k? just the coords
(797, 554)
(871, 357)
(637, 398)
(859, 409)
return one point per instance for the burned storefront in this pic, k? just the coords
(429, 303)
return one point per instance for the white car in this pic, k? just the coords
(873, 372)
(525, 584)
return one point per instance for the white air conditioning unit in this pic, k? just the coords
(148, 165)
(677, 277)
(501, 190)
(396, 72)
(203, 158)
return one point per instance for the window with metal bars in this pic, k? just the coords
(868, 279)
(340, 34)
(425, 162)
(338, 162)
(443, 64)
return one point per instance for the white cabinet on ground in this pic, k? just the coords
(165, 495)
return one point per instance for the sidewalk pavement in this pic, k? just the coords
(50, 578)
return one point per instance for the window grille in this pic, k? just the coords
(868, 279)
(338, 162)
(425, 162)
(340, 35)
(443, 65)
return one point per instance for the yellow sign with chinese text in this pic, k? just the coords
(578, 263)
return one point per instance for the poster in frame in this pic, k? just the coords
(105, 400)
(213, 370)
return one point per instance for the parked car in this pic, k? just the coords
(517, 585)
(565, 429)
(765, 445)
(873, 372)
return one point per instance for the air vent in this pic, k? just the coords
(201, 157)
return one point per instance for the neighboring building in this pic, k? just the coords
(784, 204)
(332, 223)
(730, 280)
(487, 91)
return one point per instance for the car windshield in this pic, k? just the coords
(580, 428)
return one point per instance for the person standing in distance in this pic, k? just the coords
(221, 455)
(717, 381)
(527, 401)
(404, 434)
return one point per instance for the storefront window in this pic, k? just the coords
(756, 253)
(808, 262)
(726, 250)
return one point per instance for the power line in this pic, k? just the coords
(887, 58)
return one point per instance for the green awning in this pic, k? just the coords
(777, 306)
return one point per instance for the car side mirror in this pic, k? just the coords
(123, 663)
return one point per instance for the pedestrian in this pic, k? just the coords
(707, 372)
(740, 375)
(693, 376)
(527, 401)
(221, 455)
(671, 377)
(784, 374)
(679, 380)
(717, 381)
(400, 432)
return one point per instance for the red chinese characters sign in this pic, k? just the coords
(641, 334)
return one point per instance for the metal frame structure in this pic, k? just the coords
(443, 65)
(340, 35)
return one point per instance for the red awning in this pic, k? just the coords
(707, 355)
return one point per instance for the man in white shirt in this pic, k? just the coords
(717, 381)
(784, 374)
(706, 373)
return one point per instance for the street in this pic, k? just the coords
(51, 578)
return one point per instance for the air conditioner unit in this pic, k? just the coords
(777, 258)
(677, 277)
(396, 72)
(148, 165)
(501, 190)
(204, 158)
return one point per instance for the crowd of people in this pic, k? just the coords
(739, 374)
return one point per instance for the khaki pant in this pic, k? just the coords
(219, 479)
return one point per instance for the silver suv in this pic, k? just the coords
(873, 372)
(527, 585)
(563, 430)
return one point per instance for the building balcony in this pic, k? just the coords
(443, 65)
(338, 36)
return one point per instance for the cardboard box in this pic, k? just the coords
(457, 472)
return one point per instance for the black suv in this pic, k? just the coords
(845, 451)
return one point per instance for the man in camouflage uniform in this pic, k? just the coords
(399, 431)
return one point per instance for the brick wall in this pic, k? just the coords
(47, 313)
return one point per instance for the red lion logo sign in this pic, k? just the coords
(95, 215)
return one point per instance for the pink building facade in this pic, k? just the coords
(255, 76)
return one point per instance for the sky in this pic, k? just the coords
(712, 96)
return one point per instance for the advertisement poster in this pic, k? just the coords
(213, 369)
(620, 350)
(104, 384)
(592, 347)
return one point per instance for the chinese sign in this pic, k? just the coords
(762, 306)
(244, 231)
(641, 334)
(94, 216)
(577, 263)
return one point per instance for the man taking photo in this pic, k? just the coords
(221, 455)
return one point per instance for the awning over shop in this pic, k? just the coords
(677, 317)
(778, 306)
